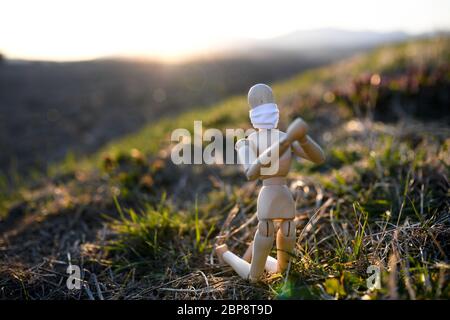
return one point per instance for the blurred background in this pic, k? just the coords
(74, 75)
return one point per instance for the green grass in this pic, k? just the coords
(158, 233)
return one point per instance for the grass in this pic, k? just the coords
(374, 218)
(146, 228)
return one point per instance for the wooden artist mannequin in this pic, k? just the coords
(267, 154)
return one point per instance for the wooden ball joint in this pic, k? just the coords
(267, 155)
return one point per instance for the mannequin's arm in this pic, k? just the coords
(247, 155)
(295, 132)
(308, 149)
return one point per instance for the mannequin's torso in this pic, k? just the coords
(275, 199)
(262, 140)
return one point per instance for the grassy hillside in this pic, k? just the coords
(143, 228)
(48, 109)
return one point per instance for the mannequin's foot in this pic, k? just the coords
(220, 250)
(254, 280)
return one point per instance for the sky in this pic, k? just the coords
(168, 29)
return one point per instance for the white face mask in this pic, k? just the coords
(264, 116)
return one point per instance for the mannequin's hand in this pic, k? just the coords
(297, 130)
(303, 140)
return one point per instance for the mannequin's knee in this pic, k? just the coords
(266, 228)
(287, 228)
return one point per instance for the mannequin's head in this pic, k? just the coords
(260, 94)
(263, 112)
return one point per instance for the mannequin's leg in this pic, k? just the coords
(262, 244)
(285, 244)
(239, 265)
(248, 253)
(271, 263)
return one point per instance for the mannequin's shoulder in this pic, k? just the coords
(253, 136)
(273, 135)
(245, 142)
(277, 134)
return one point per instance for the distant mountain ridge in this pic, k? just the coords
(325, 42)
(329, 37)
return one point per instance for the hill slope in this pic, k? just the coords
(142, 228)
(48, 109)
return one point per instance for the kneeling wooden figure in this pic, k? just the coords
(267, 155)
